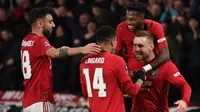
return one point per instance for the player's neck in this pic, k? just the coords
(106, 48)
(37, 31)
(150, 57)
(144, 26)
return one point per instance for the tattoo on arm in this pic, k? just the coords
(162, 57)
(63, 52)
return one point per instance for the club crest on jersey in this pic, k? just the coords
(154, 73)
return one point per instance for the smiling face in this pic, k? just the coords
(134, 20)
(143, 48)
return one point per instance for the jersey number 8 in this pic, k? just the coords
(98, 82)
(26, 67)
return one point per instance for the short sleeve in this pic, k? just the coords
(42, 45)
(157, 30)
(122, 70)
(119, 37)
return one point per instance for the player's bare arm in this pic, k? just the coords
(67, 51)
(162, 57)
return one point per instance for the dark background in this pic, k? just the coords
(77, 20)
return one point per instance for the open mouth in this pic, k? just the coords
(131, 27)
(51, 31)
(138, 54)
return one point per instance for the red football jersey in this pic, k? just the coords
(36, 67)
(125, 40)
(101, 77)
(153, 95)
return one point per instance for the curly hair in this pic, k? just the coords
(135, 6)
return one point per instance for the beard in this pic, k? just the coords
(140, 56)
(47, 33)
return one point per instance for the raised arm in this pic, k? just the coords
(162, 57)
(67, 51)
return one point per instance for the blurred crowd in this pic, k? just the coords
(76, 22)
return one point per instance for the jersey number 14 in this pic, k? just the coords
(98, 82)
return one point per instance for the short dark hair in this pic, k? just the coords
(105, 33)
(38, 13)
(144, 33)
(135, 6)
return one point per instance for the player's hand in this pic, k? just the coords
(140, 75)
(91, 49)
(181, 106)
(130, 73)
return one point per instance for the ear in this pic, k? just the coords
(40, 23)
(142, 16)
(152, 47)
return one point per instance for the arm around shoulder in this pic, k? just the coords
(67, 51)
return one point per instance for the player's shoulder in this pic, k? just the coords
(32, 36)
(151, 22)
(122, 26)
(169, 64)
(116, 58)
(85, 58)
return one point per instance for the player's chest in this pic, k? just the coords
(155, 79)
(128, 37)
